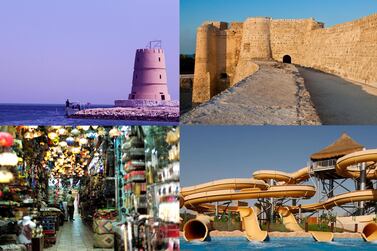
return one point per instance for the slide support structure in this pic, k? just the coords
(362, 183)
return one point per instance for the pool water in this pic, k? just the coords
(281, 244)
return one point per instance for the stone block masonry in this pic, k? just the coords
(224, 52)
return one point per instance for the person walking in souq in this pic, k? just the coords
(70, 205)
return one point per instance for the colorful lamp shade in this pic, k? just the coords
(6, 139)
(75, 132)
(83, 141)
(91, 135)
(52, 135)
(62, 131)
(114, 132)
(70, 140)
(5, 176)
(63, 144)
(85, 128)
(8, 159)
(76, 150)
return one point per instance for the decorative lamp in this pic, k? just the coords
(6, 139)
(83, 141)
(63, 144)
(76, 150)
(62, 131)
(70, 140)
(8, 159)
(5, 176)
(91, 135)
(75, 132)
(114, 132)
(85, 128)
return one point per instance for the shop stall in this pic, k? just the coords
(121, 183)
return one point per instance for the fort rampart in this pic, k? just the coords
(225, 52)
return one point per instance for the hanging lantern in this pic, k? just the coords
(85, 128)
(5, 176)
(6, 139)
(62, 131)
(91, 135)
(114, 132)
(63, 144)
(8, 159)
(70, 141)
(75, 132)
(37, 134)
(101, 131)
(29, 135)
(83, 141)
(76, 150)
(52, 135)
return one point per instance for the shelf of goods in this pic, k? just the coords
(23, 186)
(168, 193)
(135, 187)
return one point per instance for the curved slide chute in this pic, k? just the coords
(288, 191)
(198, 228)
(341, 199)
(346, 166)
(369, 232)
(224, 184)
(200, 197)
(289, 178)
(289, 220)
(252, 228)
(291, 224)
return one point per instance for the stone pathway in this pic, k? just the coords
(338, 101)
(274, 95)
(74, 236)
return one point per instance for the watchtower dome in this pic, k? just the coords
(149, 78)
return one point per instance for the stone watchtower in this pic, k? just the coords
(149, 83)
(149, 78)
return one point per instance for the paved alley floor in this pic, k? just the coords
(74, 236)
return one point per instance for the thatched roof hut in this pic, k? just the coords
(342, 146)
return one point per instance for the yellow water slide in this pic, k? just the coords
(341, 199)
(289, 178)
(369, 232)
(347, 165)
(198, 228)
(291, 224)
(198, 198)
(252, 228)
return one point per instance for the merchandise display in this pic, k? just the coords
(121, 183)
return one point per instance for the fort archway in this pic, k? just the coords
(287, 59)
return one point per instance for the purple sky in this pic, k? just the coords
(81, 49)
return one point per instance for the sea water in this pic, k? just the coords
(281, 244)
(42, 114)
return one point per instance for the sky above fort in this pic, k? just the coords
(82, 50)
(194, 12)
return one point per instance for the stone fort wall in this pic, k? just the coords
(225, 53)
